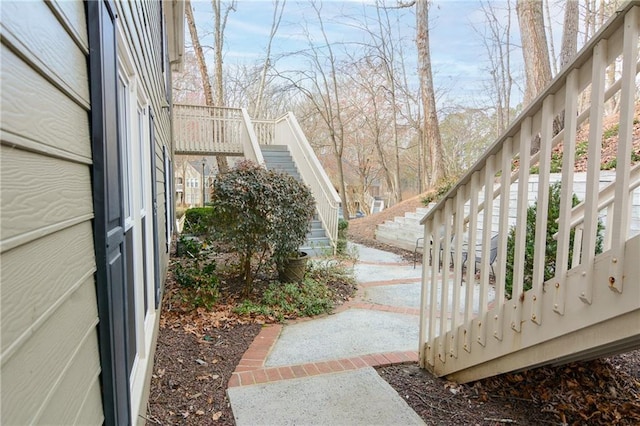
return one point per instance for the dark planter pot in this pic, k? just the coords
(294, 270)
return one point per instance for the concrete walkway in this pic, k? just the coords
(320, 371)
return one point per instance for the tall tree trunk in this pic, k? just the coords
(569, 32)
(552, 49)
(202, 65)
(534, 47)
(277, 17)
(432, 142)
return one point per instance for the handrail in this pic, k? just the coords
(460, 329)
(288, 132)
(556, 86)
(250, 140)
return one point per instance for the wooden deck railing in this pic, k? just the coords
(204, 130)
(469, 337)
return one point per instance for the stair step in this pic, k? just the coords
(274, 148)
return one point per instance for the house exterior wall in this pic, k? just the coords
(50, 350)
(50, 362)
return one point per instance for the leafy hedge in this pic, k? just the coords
(198, 221)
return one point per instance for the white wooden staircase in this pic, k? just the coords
(590, 307)
(277, 144)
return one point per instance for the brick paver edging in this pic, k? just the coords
(273, 374)
(251, 369)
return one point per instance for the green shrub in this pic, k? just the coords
(290, 300)
(188, 247)
(200, 286)
(551, 243)
(341, 244)
(198, 221)
(262, 215)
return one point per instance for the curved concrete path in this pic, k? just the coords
(319, 371)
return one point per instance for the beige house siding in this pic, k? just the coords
(49, 344)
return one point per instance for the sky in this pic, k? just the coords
(458, 56)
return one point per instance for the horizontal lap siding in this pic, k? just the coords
(49, 347)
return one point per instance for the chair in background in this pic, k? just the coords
(493, 254)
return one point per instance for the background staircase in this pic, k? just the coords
(277, 157)
(403, 231)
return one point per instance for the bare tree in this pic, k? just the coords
(496, 38)
(549, 29)
(534, 47)
(319, 85)
(220, 15)
(204, 74)
(368, 108)
(431, 139)
(278, 9)
(197, 48)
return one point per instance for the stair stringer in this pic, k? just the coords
(609, 325)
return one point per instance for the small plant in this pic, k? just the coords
(313, 296)
(341, 244)
(440, 190)
(611, 131)
(189, 247)
(200, 286)
(609, 165)
(551, 244)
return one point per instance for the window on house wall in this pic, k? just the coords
(125, 141)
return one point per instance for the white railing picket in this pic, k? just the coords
(542, 210)
(458, 231)
(588, 252)
(566, 197)
(489, 176)
(468, 332)
(517, 291)
(503, 233)
(620, 225)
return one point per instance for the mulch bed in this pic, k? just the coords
(189, 384)
(604, 391)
